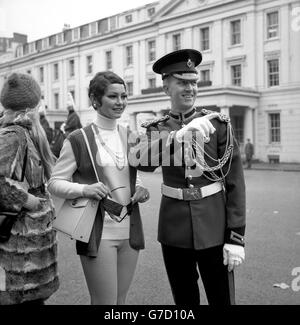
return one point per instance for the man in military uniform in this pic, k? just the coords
(202, 212)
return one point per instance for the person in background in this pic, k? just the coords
(73, 121)
(109, 259)
(28, 258)
(57, 141)
(249, 152)
(45, 124)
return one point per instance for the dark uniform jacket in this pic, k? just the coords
(210, 221)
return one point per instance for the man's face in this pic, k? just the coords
(182, 93)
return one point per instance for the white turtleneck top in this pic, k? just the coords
(108, 145)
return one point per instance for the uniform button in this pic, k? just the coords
(190, 177)
(191, 186)
(189, 168)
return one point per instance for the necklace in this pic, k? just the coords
(117, 156)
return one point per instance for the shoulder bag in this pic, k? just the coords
(75, 217)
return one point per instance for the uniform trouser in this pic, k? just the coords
(181, 266)
(110, 274)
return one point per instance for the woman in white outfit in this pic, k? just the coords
(109, 259)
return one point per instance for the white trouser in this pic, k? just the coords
(110, 274)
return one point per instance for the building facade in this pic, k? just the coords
(250, 68)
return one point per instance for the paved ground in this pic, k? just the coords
(272, 248)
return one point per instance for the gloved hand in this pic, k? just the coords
(201, 124)
(233, 255)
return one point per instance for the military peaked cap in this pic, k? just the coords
(180, 64)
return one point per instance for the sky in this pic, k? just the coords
(41, 18)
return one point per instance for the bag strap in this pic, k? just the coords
(110, 206)
(90, 153)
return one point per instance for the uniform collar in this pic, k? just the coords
(182, 117)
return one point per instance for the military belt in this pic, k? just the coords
(191, 194)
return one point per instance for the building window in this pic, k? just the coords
(238, 126)
(32, 47)
(59, 38)
(113, 22)
(68, 36)
(25, 49)
(205, 75)
(102, 26)
(84, 31)
(152, 83)
(151, 11)
(76, 33)
(89, 64)
(93, 28)
(273, 72)
(56, 100)
(55, 71)
(272, 24)
(204, 34)
(235, 32)
(151, 51)
(38, 45)
(71, 68)
(128, 19)
(41, 75)
(129, 55)
(108, 55)
(129, 86)
(236, 75)
(274, 126)
(176, 42)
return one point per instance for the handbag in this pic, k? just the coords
(75, 217)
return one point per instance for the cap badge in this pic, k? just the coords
(189, 63)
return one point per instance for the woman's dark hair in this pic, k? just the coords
(100, 82)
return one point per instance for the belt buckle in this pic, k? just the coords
(180, 194)
(190, 194)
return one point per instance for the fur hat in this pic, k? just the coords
(19, 92)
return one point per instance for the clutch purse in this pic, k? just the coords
(76, 218)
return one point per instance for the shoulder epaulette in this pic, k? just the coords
(222, 117)
(155, 121)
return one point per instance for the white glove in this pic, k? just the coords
(233, 255)
(201, 124)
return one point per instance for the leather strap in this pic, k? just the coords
(109, 205)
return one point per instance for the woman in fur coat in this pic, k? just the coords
(28, 258)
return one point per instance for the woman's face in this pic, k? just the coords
(114, 101)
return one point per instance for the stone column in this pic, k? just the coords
(187, 38)
(249, 128)
(159, 114)
(225, 110)
(132, 122)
